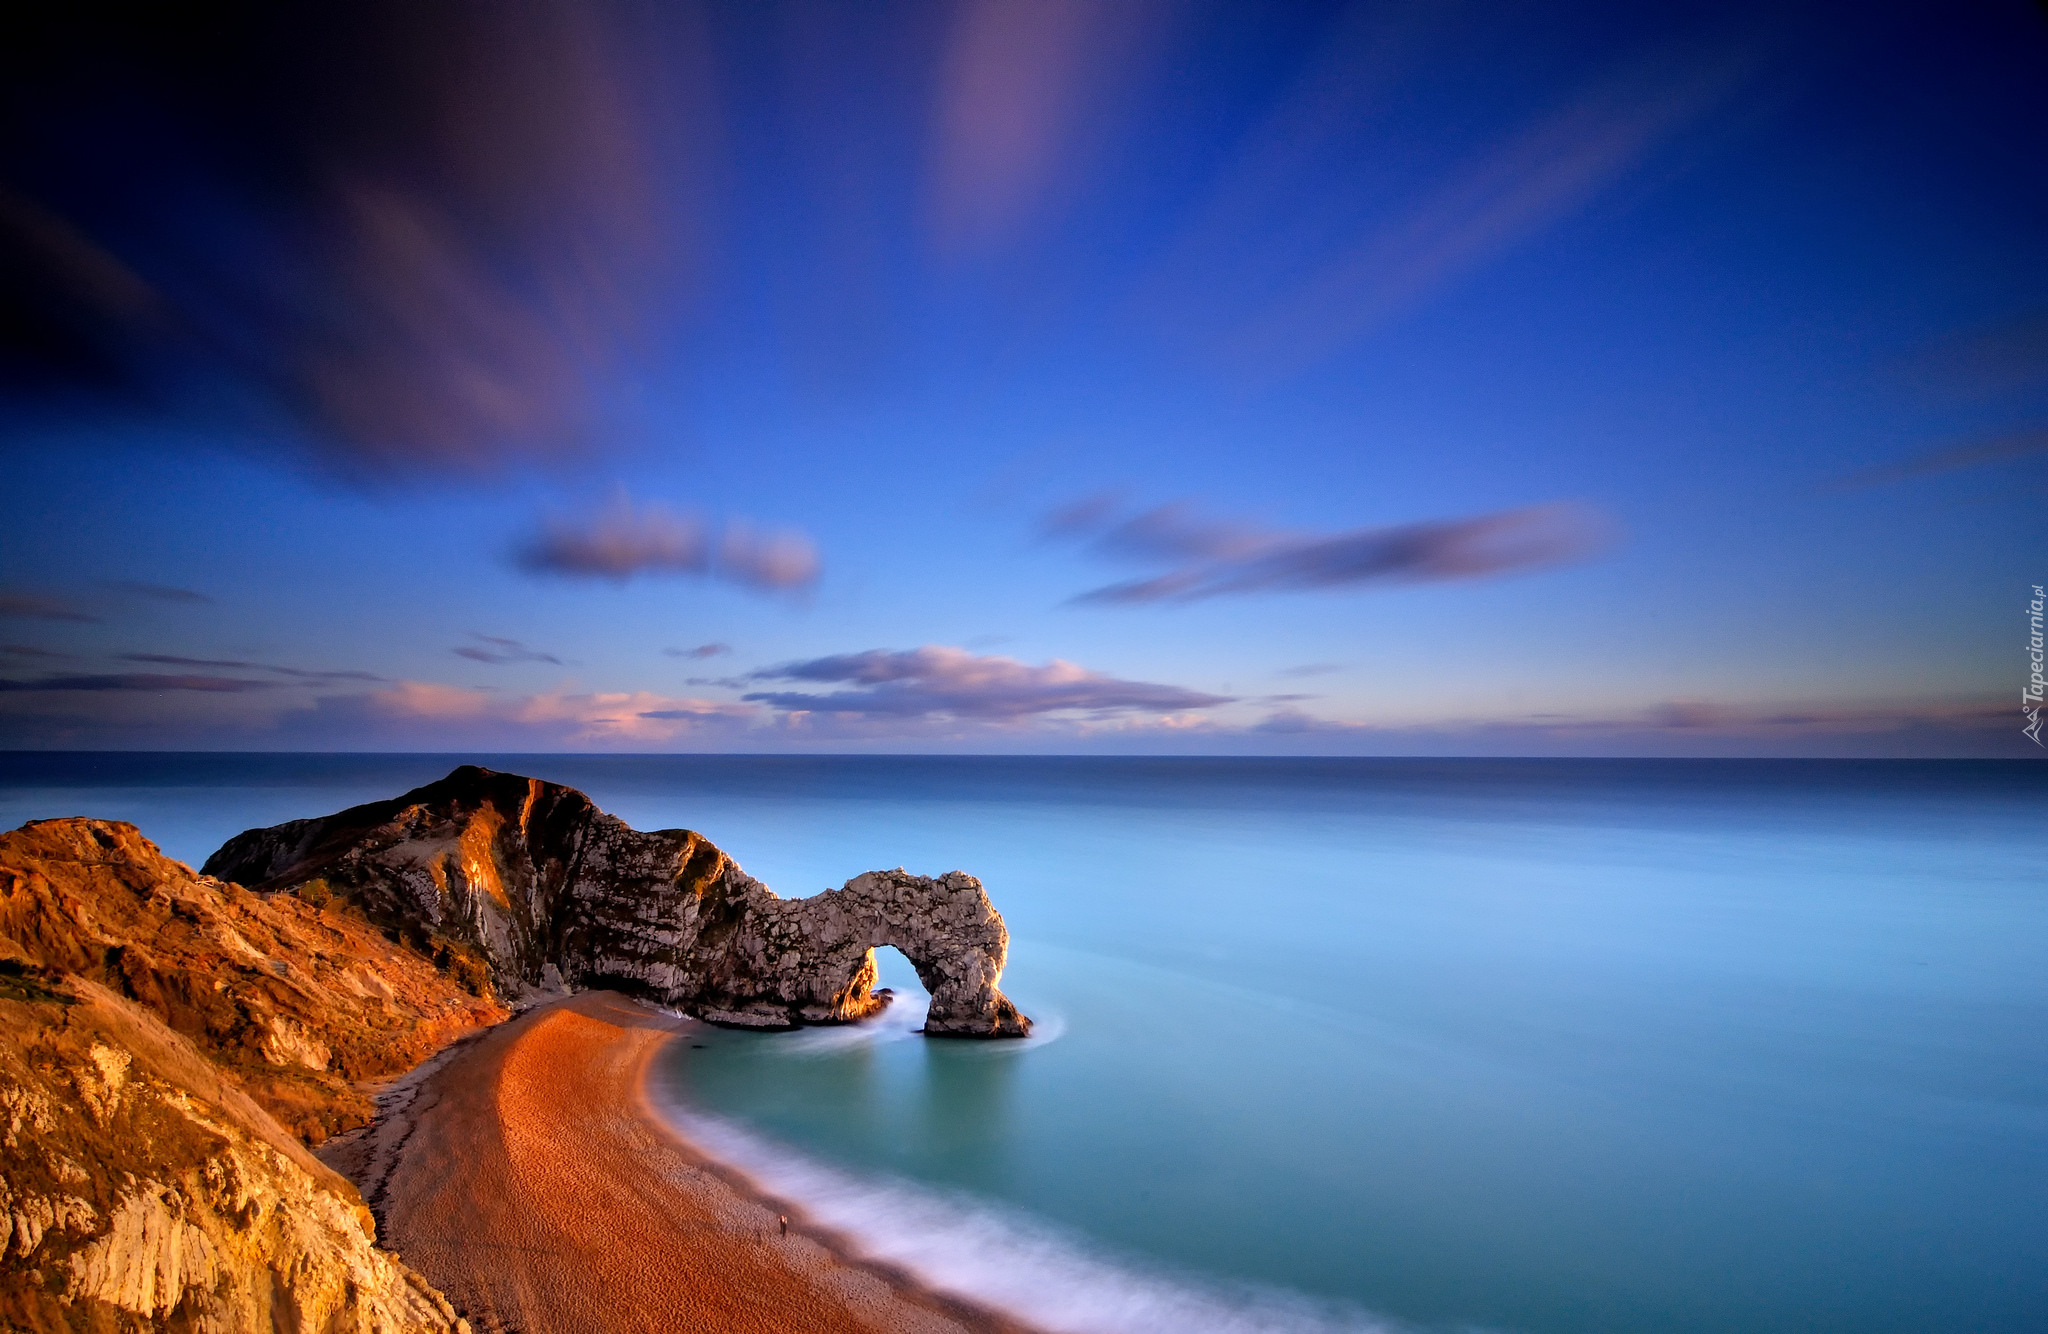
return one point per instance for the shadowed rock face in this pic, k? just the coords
(551, 889)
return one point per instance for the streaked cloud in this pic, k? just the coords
(1773, 726)
(701, 651)
(494, 649)
(2013, 448)
(624, 540)
(1777, 723)
(951, 681)
(31, 607)
(766, 559)
(599, 716)
(1216, 557)
(1015, 85)
(145, 682)
(1304, 246)
(157, 592)
(408, 241)
(236, 664)
(30, 651)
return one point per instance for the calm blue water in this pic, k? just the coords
(1540, 1046)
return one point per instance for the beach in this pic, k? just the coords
(527, 1175)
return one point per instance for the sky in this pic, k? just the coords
(1077, 376)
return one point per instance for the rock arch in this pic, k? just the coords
(816, 955)
(547, 888)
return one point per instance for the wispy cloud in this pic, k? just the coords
(1014, 87)
(1297, 281)
(157, 592)
(2011, 448)
(31, 607)
(1214, 557)
(597, 716)
(145, 682)
(701, 651)
(236, 664)
(495, 649)
(30, 651)
(1771, 726)
(951, 681)
(454, 223)
(624, 540)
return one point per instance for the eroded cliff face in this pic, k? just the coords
(148, 1021)
(296, 1001)
(550, 889)
(142, 1192)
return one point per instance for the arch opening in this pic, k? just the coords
(894, 971)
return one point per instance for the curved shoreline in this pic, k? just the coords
(529, 1175)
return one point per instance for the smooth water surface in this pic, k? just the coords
(1544, 1046)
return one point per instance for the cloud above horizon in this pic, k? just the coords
(158, 592)
(605, 717)
(496, 649)
(144, 682)
(1219, 557)
(31, 607)
(939, 680)
(237, 664)
(623, 540)
(1705, 719)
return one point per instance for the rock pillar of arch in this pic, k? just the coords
(945, 926)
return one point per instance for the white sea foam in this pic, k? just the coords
(903, 1019)
(1047, 1275)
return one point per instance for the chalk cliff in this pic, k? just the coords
(162, 1037)
(549, 889)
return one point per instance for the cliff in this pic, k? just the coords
(161, 1038)
(296, 1001)
(549, 889)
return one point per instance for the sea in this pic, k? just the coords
(1543, 1046)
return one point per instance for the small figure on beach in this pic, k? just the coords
(783, 1219)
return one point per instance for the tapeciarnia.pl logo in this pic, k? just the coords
(2030, 698)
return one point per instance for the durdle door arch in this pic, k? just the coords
(529, 883)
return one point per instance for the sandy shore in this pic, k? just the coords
(526, 1174)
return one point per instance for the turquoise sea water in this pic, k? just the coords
(1540, 1046)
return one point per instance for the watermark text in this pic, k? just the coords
(2030, 697)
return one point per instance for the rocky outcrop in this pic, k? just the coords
(297, 1001)
(148, 1021)
(551, 890)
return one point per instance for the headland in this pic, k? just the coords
(175, 1046)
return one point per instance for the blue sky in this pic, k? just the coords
(1380, 379)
